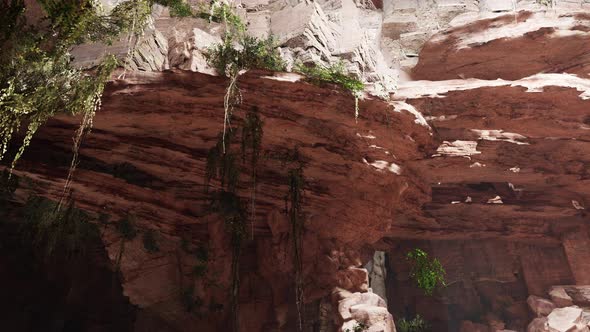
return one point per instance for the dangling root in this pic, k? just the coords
(82, 131)
(131, 50)
(356, 108)
(232, 97)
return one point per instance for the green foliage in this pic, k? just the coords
(126, 227)
(37, 79)
(417, 324)
(252, 133)
(238, 52)
(333, 74)
(8, 185)
(358, 327)
(221, 12)
(178, 8)
(149, 241)
(79, 21)
(428, 273)
(53, 229)
(246, 52)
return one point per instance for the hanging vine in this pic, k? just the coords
(69, 230)
(237, 53)
(252, 133)
(295, 214)
(37, 78)
(225, 202)
(224, 166)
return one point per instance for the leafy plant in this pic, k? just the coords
(358, 327)
(236, 53)
(334, 74)
(417, 324)
(178, 8)
(428, 273)
(221, 12)
(149, 241)
(8, 185)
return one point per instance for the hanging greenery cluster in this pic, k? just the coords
(238, 52)
(335, 74)
(223, 165)
(252, 133)
(416, 324)
(428, 273)
(37, 78)
(52, 229)
(295, 213)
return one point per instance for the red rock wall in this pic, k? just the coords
(487, 280)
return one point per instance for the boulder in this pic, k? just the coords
(539, 306)
(560, 297)
(538, 325)
(565, 320)
(580, 295)
(353, 279)
(362, 308)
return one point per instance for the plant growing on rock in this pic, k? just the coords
(417, 324)
(358, 327)
(334, 74)
(37, 78)
(238, 52)
(428, 273)
(222, 165)
(178, 8)
(68, 230)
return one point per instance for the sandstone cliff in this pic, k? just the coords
(481, 156)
